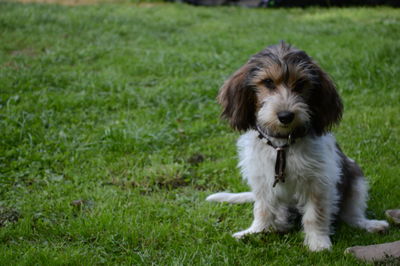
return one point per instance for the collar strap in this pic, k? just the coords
(295, 134)
(263, 135)
(280, 163)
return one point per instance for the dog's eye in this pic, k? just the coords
(269, 83)
(299, 86)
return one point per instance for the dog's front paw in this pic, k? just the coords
(241, 234)
(377, 226)
(318, 242)
(249, 231)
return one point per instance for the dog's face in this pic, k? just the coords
(281, 89)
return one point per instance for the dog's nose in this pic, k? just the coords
(285, 117)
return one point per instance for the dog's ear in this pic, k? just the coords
(238, 100)
(325, 102)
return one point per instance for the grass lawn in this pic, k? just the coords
(110, 137)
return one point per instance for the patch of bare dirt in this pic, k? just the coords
(8, 215)
(24, 52)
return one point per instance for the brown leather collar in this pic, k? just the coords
(295, 134)
(280, 163)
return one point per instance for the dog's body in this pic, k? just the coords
(287, 105)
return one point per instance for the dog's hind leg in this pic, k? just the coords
(353, 210)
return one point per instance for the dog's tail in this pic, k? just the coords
(232, 197)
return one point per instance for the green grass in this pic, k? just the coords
(114, 105)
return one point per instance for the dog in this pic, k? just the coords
(287, 105)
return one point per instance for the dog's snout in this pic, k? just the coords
(285, 117)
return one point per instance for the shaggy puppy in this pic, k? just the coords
(287, 105)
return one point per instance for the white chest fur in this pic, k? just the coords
(310, 162)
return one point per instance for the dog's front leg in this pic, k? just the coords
(261, 222)
(316, 222)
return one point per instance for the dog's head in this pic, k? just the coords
(281, 89)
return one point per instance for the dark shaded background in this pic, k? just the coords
(295, 3)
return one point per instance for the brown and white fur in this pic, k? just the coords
(282, 90)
